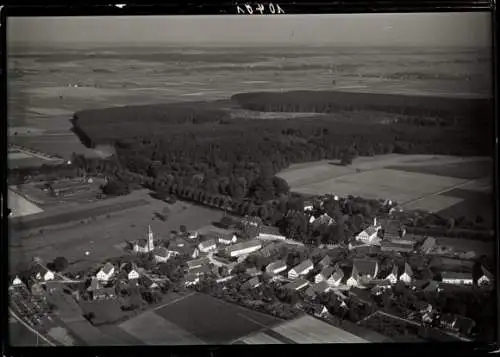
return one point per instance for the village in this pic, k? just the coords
(243, 254)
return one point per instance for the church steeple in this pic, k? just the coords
(150, 239)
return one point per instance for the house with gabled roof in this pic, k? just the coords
(161, 254)
(486, 277)
(366, 267)
(226, 238)
(337, 276)
(207, 246)
(297, 284)
(131, 270)
(326, 261)
(147, 282)
(270, 233)
(276, 267)
(456, 278)
(370, 233)
(191, 279)
(195, 263)
(407, 275)
(324, 274)
(243, 248)
(393, 275)
(300, 270)
(106, 272)
(42, 273)
(16, 281)
(251, 283)
(321, 287)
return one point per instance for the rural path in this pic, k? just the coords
(418, 199)
(35, 153)
(31, 329)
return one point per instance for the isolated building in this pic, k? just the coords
(370, 233)
(456, 278)
(486, 277)
(301, 269)
(407, 275)
(243, 248)
(276, 267)
(207, 246)
(106, 272)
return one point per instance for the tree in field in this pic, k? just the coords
(60, 264)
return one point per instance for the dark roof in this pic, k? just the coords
(161, 252)
(464, 324)
(145, 280)
(243, 245)
(129, 267)
(270, 230)
(107, 268)
(338, 273)
(431, 286)
(142, 242)
(320, 287)
(365, 266)
(250, 283)
(455, 275)
(327, 272)
(303, 266)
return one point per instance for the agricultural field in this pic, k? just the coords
(20, 206)
(303, 330)
(443, 184)
(104, 236)
(196, 319)
(45, 89)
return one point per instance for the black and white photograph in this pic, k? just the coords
(224, 179)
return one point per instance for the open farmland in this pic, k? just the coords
(303, 330)
(214, 321)
(20, 206)
(103, 237)
(429, 182)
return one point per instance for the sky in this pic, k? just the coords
(437, 29)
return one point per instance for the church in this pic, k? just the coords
(145, 245)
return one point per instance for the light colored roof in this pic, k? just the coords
(208, 243)
(303, 266)
(326, 260)
(276, 265)
(161, 252)
(243, 245)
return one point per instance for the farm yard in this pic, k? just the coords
(104, 236)
(445, 184)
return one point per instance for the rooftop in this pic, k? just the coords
(294, 285)
(365, 266)
(243, 245)
(303, 266)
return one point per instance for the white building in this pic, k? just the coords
(131, 271)
(276, 267)
(161, 255)
(407, 275)
(301, 269)
(207, 246)
(393, 275)
(336, 277)
(486, 277)
(42, 273)
(456, 278)
(16, 282)
(193, 235)
(243, 248)
(106, 272)
(229, 238)
(370, 233)
(270, 233)
(325, 274)
(145, 245)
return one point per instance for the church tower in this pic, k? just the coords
(150, 239)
